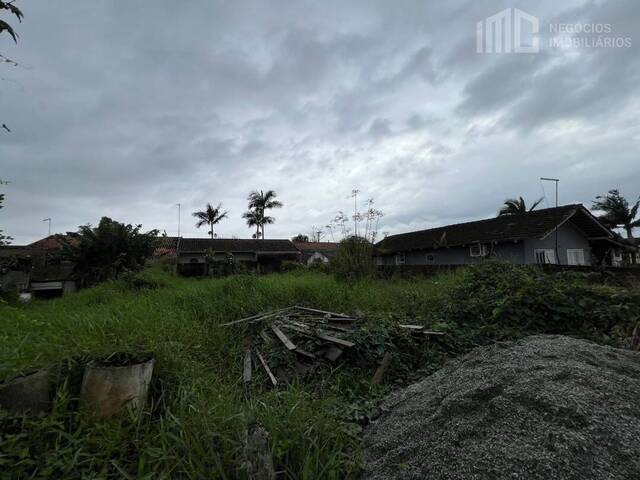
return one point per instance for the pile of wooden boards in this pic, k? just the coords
(328, 333)
(312, 336)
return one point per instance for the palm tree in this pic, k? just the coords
(517, 206)
(259, 203)
(254, 219)
(210, 216)
(617, 213)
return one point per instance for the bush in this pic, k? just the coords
(110, 249)
(353, 259)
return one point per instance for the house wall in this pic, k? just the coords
(510, 252)
(569, 237)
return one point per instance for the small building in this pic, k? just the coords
(528, 238)
(203, 256)
(165, 247)
(316, 252)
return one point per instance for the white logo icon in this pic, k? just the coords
(503, 33)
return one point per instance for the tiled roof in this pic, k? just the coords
(235, 245)
(57, 241)
(536, 224)
(316, 246)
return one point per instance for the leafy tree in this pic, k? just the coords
(210, 216)
(5, 27)
(4, 239)
(617, 213)
(110, 249)
(517, 206)
(301, 238)
(354, 259)
(259, 203)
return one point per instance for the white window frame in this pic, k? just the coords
(481, 252)
(401, 258)
(579, 257)
(549, 256)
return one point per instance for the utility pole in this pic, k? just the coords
(354, 194)
(556, 180)
(48, 220)
(178, 205)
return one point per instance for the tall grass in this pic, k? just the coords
(199, 408)
(197, 430)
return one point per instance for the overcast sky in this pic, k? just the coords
(124, 109)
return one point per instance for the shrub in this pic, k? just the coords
(353, 259)
(110, 249)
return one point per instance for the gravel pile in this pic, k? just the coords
(546, 407)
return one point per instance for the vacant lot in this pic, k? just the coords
(194, 425)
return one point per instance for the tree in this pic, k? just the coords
(4, 239)
(617, 213)
(210, 216)
(517, 206)
(254, 219)
(259, 203)
(110, 249)
(301, 238)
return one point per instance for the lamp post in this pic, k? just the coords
(556, 180)
(48, 220)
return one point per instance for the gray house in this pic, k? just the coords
(528, 238)
(199, 256)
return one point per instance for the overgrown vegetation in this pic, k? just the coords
(199, 410)
(110, 249)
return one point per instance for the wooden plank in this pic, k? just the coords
(333, 353)
(412, 327)
(339, 341)
(265, 336)
(283, 338)
(338, 328)
(246, 374)
(267, 369)
(324, 312)
(379, 375)
(258, 317)
(304, 331)
(428, 332)
(305, 353)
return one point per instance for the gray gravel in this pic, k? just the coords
(546, 407)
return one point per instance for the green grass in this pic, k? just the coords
(195, 425)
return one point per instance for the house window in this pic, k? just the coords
(545, 256)
(478, 250)
(430, 258)
(400, 258)
(575, 256)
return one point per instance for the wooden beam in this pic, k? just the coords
(339, 341)
(412, 327)
(324, 312)
(379, 375)
(246, 374)
(283, 338)
(258, 317)
(267, 369)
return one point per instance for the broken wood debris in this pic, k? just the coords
(315, 336)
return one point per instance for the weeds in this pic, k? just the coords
(194, 425)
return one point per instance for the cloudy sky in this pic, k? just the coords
(124, 109)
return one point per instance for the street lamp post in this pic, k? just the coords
(556, 180)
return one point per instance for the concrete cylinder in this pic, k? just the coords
(106, 390)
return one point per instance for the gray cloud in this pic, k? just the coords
(127, 110)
